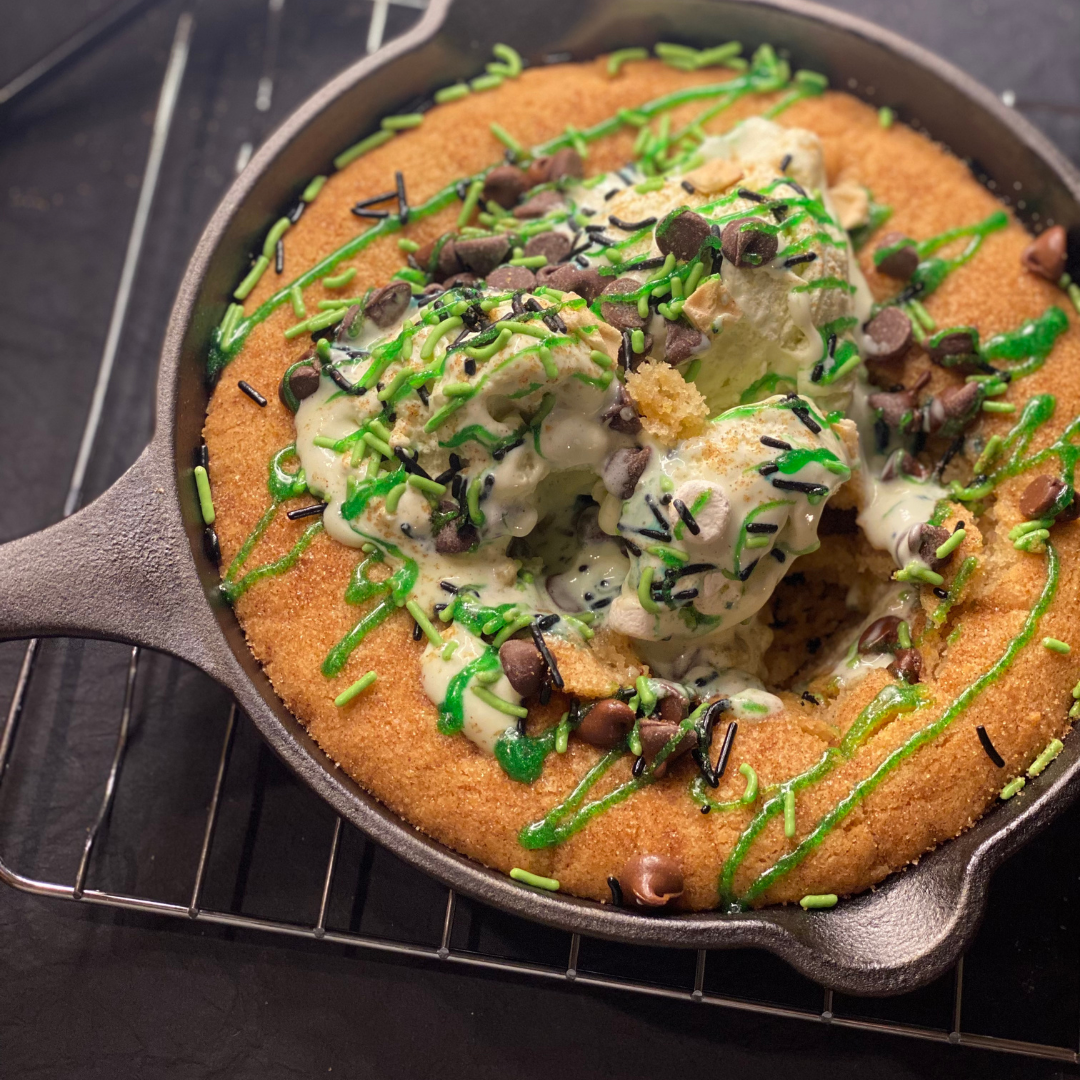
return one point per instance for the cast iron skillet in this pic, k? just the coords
(130, 566)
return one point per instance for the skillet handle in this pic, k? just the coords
(120, 568)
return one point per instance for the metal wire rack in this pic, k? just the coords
(212, 843)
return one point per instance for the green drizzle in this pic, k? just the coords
(452, 709)
(232, 590)
(919, 739)
(522, 756)
(1027, 347)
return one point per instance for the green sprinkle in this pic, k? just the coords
(337, 304)
(297, 299)
(637, 341)
(644, 591)
(924, 316)
(325, 442)
(668, 50)
(229, 321)
(562, 734)
(507, 140)
(427, 350)
(486, 82)
(1073, 291)
(417, 612)
(550, 368)
(576, 624)
(252, 279)
(1074, 712)
(339, 281)
(989, 454)
(277, 231)
(633, 740)
(448, 649)
(950, 545)
(717, 55)
(472, 500)
(510, 56)
(915, 571)
(316, 322)
(533, 262)
(357, 687)
(1053, 748)
(819, 901)
(621, 56)
(998, 407)
(1026, 527)
(789, 812)
(536, 330)
(692, 369)
(457, 389)
(376, 443)
(655, 183)
(472, 197)
(486, 352)
(601, 359)
(510, 629)
(361, 148)
(393, 497)
(496, 702)
(315, 185)
(1055, 645)
(206, 502)
(451, 93)
(667, 484)
(534, 879)
(885, 116)
(422, 483)
(646, 695)
(631, 116)
(401, 123)
(757, 541)
(662, 271)
(903, 635)
(750, 791)
(1011, 788)
(407, 245)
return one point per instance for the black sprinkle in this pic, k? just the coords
(279, 257)
(545, 692)
(601, 604)
(456, 463)
(461, 190)
(686, 594)
(343, 383)
(211, 545)
(667, 499)
(502, 451)
(747, 571)
(686, 517)
(776, 444)
(657, 513)
(417, 632)
(202, 456)
(456, 486)
(402, 199)
(581, 260)
(803, 413)
(376, 215)
(632, 548)
(688, 187)
(959, 525)
(297, 212)
(706, 808)
(655, 534)
(386, 196)
(817, 372)
(988, 746)
(796, 187)
(768, 468)
(832, 345)
(785, 161)
(638, 767)
(810, 699)
(798, 260)
(648, 264)
(422, 394)
(546, 622)
(725, 748)
(252, 393)
(753, 196)
(470, 366)
(953, 449)
(616, 890)
(552, 321)
(306, 511)
(778, 211)
(448, 586)
(612, 193)
(778, 555)
(761, 527)
(941, 594)
(545, 652)
(694, 568)
(801, 486)
(631, 226)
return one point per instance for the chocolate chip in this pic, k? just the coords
(1046, 254)
(889, 335)
(623, 469)
(623, 316)
(955, 348)
(895, 255)
(505, 184)
(567, 278)
(680, 342)
(606, 723)
(746, 245)
(924, 540)
(540, 204)
(565, 163)
(880, 635)
(388, 304)
(651, 881)
(455, 281)
(681, 233)
(1040, 496)
(349, 326)
(837, 521)
(447, 262)
(674, 706)
(538, 171)
(907, 665)
(656, 734)
(300, 380)
(522, 665)
(482, 254)
(622, 414)
(552, 245)
(901, 463)
(512, 277)
(897, 406)
(453, 539)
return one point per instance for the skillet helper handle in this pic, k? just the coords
(120, 568)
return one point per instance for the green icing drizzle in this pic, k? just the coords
(234, 589)
(452, 709)
(522, 756)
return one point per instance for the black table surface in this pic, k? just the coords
(92, 992)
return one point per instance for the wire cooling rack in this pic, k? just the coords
(129, 781)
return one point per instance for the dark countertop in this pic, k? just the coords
(93, 992)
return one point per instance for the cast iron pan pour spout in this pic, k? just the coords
(130, 566)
